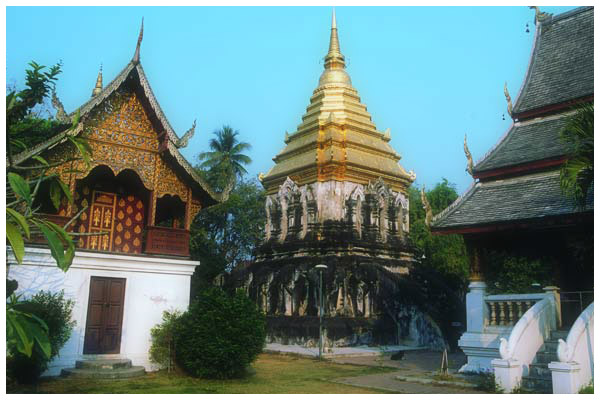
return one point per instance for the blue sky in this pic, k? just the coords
(430, 74)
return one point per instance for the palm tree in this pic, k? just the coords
(577, 174)
(225, 161)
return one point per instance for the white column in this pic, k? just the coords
(476, 308)
(565, 377)
(507, 373)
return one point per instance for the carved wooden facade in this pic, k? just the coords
(123, 136)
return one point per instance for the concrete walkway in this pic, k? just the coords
(416, 373)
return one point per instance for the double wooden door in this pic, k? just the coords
(105, 316)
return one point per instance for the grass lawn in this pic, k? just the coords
(274, 374)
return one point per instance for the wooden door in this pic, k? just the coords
(105, 316)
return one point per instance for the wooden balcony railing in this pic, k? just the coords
(167, 241)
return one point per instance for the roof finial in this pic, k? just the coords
(334, 56)
(469, 168)
(333, 24)
(539, 15)
(96, 91)
(426, 207)
(136, 56)
(335, 63)
(509, 106)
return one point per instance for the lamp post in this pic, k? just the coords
(321, 268)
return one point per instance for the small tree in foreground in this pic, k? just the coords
(220, 335)
(56, 312)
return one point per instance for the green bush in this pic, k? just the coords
(56, 311)
(509, 273)
(162, 351)
(220, 335)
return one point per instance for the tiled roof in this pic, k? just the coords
(136, 70)
(526, 142)
(510, 200)
(562, 64)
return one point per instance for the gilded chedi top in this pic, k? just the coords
(337, 139)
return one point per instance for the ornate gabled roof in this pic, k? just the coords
(561, 67)
(526, 142)
(507, 201)
(170, 142)
(337, 140)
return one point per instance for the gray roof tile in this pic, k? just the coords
(510, 200)
(562, 65)
(526, 142)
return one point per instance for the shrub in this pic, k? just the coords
(509, 273)
(56, 311)
(162, 351)
(220, 335)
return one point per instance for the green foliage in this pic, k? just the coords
(56, 312)
(25, 330)
(445, 253)
(38, 86)
(577, 174)
(226, 234)
(487, 383)
(32, 130)
(220, 335)
(589, 389)
(162, 350)
(439, 279)
(509, 273)
(226, 160)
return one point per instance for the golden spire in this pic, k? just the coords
(136, 55)
(335, 62)
(96, 91)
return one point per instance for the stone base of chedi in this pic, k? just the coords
(359, 232)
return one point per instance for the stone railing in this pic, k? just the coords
(507, 309)
(575, 366)
(526, 338)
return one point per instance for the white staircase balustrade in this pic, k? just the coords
(526, 338)
(490, 317)
(575, 366)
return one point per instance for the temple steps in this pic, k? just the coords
(540, 377)
(114, 368)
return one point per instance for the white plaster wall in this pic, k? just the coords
(152, 286)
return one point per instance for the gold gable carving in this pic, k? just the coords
(169, 183)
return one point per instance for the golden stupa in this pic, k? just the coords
(337, 140)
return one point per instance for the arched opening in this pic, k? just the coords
(114, 207)
(170, 212)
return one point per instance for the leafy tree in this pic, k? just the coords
(438, 281)
(24, 177)
(226, 160)
(577, 174)
(225, 235)
(445, 253)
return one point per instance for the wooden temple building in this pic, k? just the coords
(336, 196)
(516, 206)
(140, 195)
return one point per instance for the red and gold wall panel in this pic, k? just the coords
(121, 218)
(129, 225)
